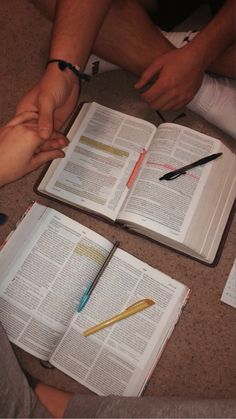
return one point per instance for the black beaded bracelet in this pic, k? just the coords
(62, 65)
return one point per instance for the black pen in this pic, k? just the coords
(93, 284)
(182, 170)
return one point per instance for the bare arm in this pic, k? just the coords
(76, 26)
(54, 97)
(218, 35)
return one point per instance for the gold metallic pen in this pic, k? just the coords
(134, 308)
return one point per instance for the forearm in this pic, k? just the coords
(217, 36)
(75, 29)
(56, 94)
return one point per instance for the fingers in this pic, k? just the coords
(157, 95)
(149, 76)
(46, 115)
(56, 143)
(44, 157)
(169, 86)
(22, 118)
(153, 88)
(163, 97)
(164, 92)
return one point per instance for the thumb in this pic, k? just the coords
(150, 75)
(44, 157)
(46, 115)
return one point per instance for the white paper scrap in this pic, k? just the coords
(229, 293)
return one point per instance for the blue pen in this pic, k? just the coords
(91, 286)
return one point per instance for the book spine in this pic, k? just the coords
(16, 225)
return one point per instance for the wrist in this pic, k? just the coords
(204, 51)
(67, 67)
(53, 70)
(198, 54)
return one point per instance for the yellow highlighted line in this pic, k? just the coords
(92, 253)
(103, 147)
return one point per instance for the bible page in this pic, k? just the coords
(105, 146)
(44, 268)
(118, 359)
(165, 206)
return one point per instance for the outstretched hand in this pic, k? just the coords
(20, 151)
(54, 97)
(175, 78)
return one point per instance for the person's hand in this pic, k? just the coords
(20, 148)
(54, 97)
(175, 78)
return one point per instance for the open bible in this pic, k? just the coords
(112, 168)
(46, 265)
